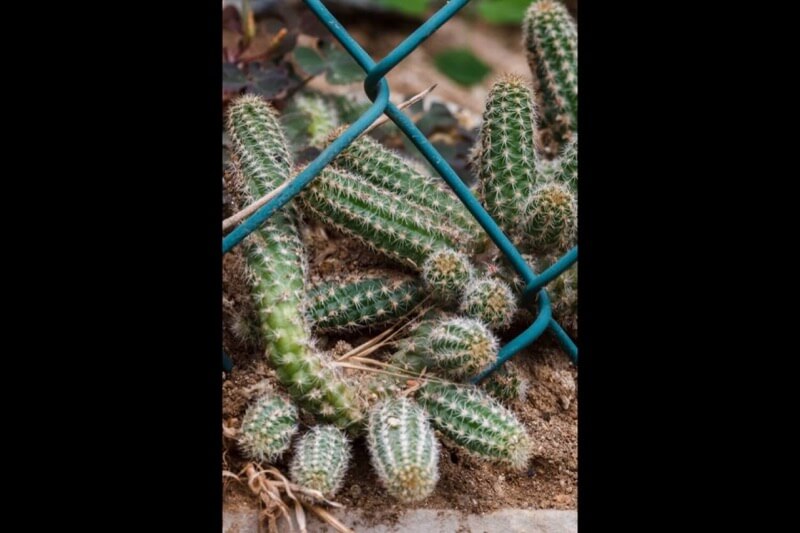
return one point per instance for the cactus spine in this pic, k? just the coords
(338, 306)
(321, 117)
(506, 156)
(491, 301)
(506, 384)
(277, 269)
(267, 427)
(320, 460)
(403, 449)
(476, 421)
(386, 169)
(551, 40)
(551, 218)
(384, 221)
(447, 273)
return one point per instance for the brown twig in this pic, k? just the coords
(236, 218)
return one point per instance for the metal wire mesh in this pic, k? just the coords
(377, 90)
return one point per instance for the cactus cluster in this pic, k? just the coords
(320, 459)
(403, 449)
(268, 427)
(362, 302)
(551, 41)
(376, 196)
(476, 421)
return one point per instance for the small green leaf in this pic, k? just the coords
(503, 11)
(461, 66)
(309, 60)
(409, 7)
(343, 69)
(233, 79)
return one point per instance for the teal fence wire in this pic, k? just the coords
(377, 90)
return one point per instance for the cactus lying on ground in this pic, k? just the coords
(476, 421)
(551, 40)
(320, 460)
(506, 154)
(550, 219)
(403, 449)
(362, 302)
(456, 347)
(386, 169)
(267, 427)
(277, 269)
(313, 116)
(384, 221)
(490, 300)
(447, 273)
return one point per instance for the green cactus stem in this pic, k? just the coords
(567, 165)
(277, 268)
(403, 449)
(506, 384)
(506, 154)
(491, 301)
(381, 219)
(362, 302)
(447, 273)
(388, 170)
(267, 427)
(320, 460)
(551, 41)
(551, 219)
(476, 421)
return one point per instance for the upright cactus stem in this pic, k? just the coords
(550, 219)
(388, 223)
(476, 421)
(403, 449)
(267, 427)
(362, 302)
(386, 169)
(551, 40)
(320, 460)
(506, 156)
(277, 269)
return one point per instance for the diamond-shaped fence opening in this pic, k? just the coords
(377, 90)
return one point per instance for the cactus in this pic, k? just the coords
(476, 421)
(310, 118)
(567, 165)
(363, 302)
(506, 384)
(563, 292)
(384, 221)
(551, 41)
(320, 460)
(267, 427)
(447, 273)
(384, 168)
(506, 156)
(277, 269)
(551, 219)
(491, 301)
(403, 449)
(453, 346)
